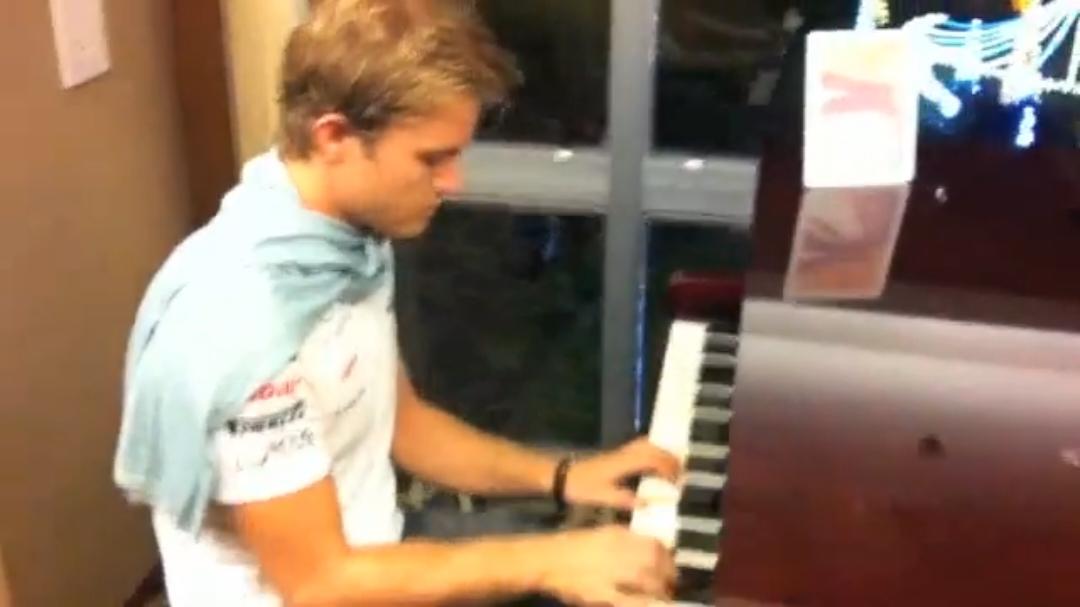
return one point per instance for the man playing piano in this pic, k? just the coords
(264, 399)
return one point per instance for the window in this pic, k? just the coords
(548, 160)
(562, 49)
(500, 320)
(728, 71)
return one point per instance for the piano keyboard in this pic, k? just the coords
(691, 418)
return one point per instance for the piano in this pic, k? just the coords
(920, 447)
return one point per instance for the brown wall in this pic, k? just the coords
(92, 195)
(202, 86)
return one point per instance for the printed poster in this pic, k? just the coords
(862, 104)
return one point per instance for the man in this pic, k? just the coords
(264, 401)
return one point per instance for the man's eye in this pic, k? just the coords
(435, 159)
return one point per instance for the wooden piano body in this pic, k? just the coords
(921, 448)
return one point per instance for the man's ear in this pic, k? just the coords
(329, 135)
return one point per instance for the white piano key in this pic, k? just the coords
(715, 415)
(696, 559)
(653, 490)
(700, 524)
(708, 451)
(670, 428)
(706, 480)
(658, 517)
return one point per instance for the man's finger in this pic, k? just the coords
(623, 499)
(623, 599)
(650, 459)
(666, 565)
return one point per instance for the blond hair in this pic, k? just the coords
(375, 61)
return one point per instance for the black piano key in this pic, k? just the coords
(714, 395)
(721, 326)
(698, 541)
(695, 586)
(707, 464)
(711, 506)
(717, 374)
(697, 595)
(721, 343)
(709, 432)
(698, 501)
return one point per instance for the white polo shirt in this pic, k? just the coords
(330, 412)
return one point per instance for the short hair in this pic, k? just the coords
(375, 61)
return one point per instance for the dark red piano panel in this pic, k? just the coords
(916, 449)
(863, 474)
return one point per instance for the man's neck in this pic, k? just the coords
(311, 187)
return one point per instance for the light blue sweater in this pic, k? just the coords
(226, 312)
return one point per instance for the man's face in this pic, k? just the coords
(394, 183)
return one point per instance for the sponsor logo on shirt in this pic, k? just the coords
(282, 446)
(270, 421)
(275, 390)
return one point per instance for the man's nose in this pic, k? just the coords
(450, 179)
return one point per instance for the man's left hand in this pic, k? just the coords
(600, 479)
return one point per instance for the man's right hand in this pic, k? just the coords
(298, 541)
(609, 565)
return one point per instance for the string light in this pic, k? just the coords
(1026, 135)
(873, 14)
(1015, 51)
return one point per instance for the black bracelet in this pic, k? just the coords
(558, 488)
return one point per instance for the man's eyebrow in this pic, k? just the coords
(441, 152)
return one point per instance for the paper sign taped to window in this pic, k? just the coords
(862, 106)
(844, 242)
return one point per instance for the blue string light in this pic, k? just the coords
(1015, 52)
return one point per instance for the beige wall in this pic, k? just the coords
(255, 32)
(91, 198)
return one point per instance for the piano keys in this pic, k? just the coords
(692, 418)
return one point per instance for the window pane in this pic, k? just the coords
(727, 69)
(500, 317)
(562, 49)
(714, 256)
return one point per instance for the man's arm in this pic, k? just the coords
(298, 542)
(435, 446)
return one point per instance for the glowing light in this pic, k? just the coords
(950, 106)
(866, 19)
(960, 56)
(883, 17)
(1026, 135)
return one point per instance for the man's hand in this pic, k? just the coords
(599, 480)
(607, 566)
(298, 542)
